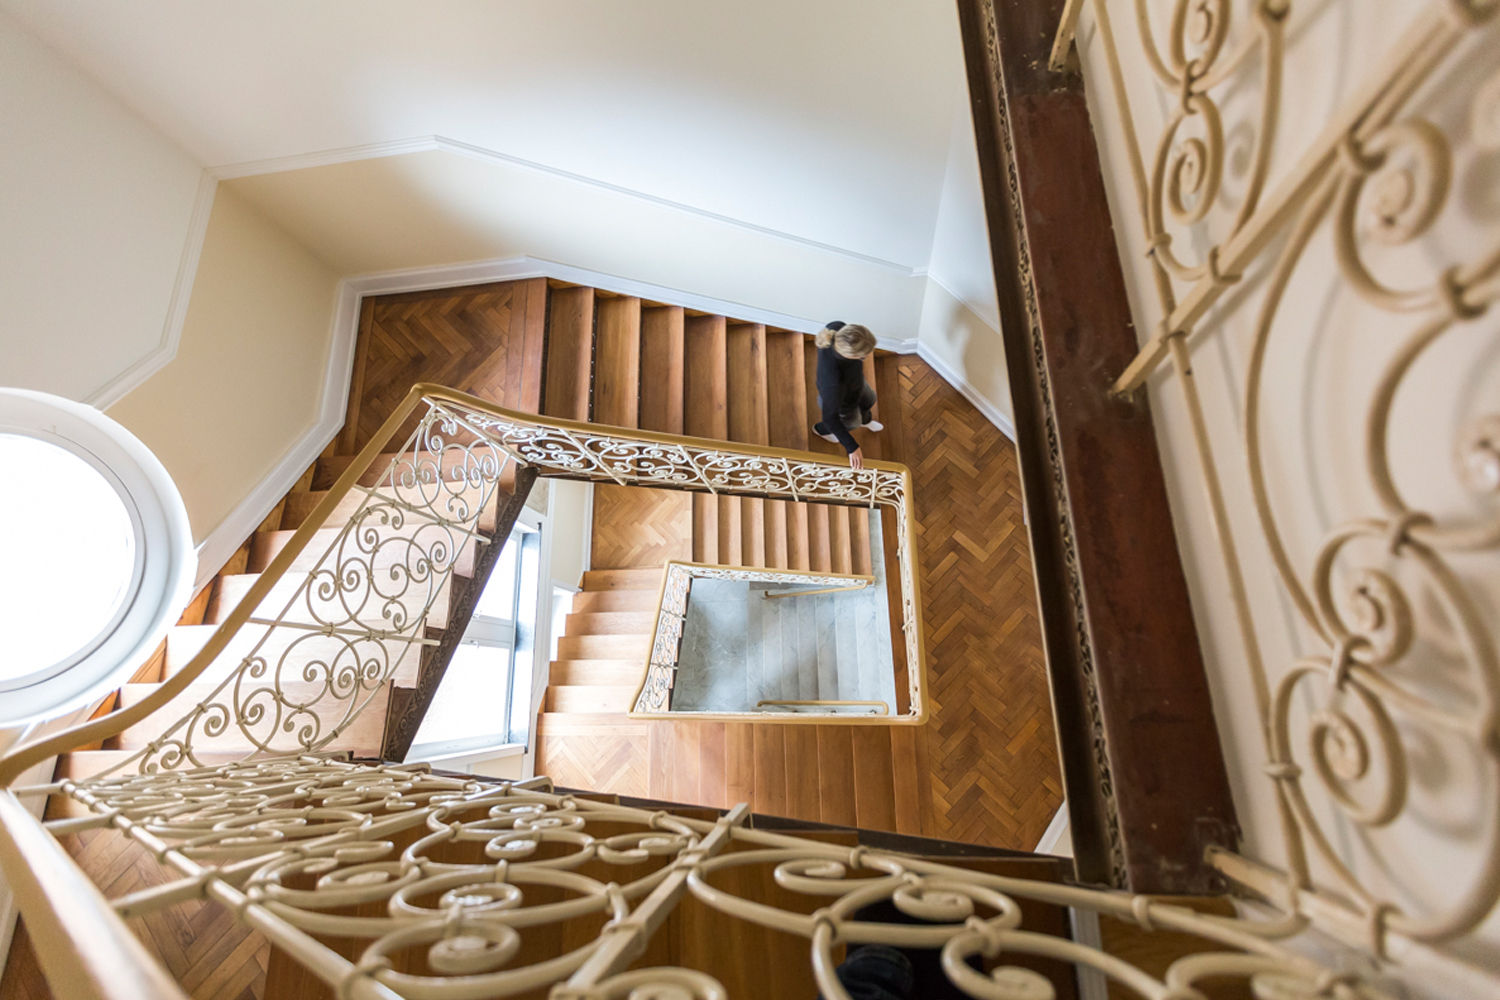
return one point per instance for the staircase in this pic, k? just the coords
(619, 360)
(367, 735)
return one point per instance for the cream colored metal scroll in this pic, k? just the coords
(1315, 244)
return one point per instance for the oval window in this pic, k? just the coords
(96, 558)
(70, 556)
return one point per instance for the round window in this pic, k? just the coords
(96, 559)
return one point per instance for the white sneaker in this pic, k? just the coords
(828, 437)
(875, 425)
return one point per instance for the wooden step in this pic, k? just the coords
(599, 601)
(570, 353)
(622, 579)
(266, 545)
(184, 642)
(416, 599)
(616, 673)
(617, 363)
(362, 734)
(590, 698)
(859, 541)
(835, 750)
(300, 505)
(840, 539)
(874, 802)
(705, 357)
(611, 622)
(662, 344)
(630, 648)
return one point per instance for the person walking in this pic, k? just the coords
(845, 399)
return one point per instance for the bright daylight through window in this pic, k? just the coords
(65, 516)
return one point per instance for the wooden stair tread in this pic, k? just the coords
(619, 673)
(570, 352)
(602, 601)
(622, 579)
(611, 622)
(266, 545)
(298, 507)
(185, 641)
(589, 698)
(231, 588)
(362, 735)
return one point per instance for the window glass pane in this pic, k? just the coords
(470, 702)
(499, 597)
(67, 556)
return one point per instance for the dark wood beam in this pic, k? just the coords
(1144, 772)
(408, 706)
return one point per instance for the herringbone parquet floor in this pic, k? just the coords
(200, 943)
(990, 745)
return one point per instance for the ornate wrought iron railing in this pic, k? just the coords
(308, 671)
(655, 693)
(1317, 257)
(439, 882)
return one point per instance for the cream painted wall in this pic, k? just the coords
(438, 207)
(1327, 348)
(96, 223)
(959, 332)
(569, 504)
(246, 383)
(827, 120)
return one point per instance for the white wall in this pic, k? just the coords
(959, 332)
(440, 207)
(97, 228)
(829, 120)
(247, 382)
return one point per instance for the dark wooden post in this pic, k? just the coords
(1143, 769)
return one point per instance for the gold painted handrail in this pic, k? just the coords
(885, 709)
(557, 448)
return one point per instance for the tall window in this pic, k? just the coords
(477, 705)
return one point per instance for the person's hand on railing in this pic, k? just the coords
(857, 458)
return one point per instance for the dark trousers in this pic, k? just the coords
(855, 416)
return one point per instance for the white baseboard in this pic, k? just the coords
(177, 305)
(1053, 835)
(990, 409)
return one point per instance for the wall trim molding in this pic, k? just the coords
(993, 413)
(165, 350)
(438, 143)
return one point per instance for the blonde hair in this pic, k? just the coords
(850, 340)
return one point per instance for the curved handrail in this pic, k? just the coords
(559, 448)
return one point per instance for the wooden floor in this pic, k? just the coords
(984, 769)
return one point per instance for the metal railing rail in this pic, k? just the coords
(654, 696)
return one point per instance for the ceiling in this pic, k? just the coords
(828, 121)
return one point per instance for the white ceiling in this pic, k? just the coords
(828, 120)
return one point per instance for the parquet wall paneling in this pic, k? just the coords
(483, 340)
(640, 528)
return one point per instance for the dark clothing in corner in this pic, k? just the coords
(876, 972)
(844, 397)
